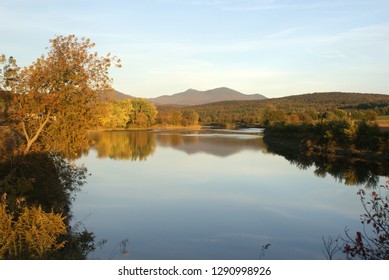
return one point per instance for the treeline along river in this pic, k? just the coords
(216, 194)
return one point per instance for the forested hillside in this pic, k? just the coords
(303, 106)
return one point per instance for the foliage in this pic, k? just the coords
(143, 113)
(47, 182)
(117, 113)
(169, 116)
(271, 115)
(122, 113)
(56, 99)
(33, 234)
(305, 108)
(373, 244)
(348, 170)
(190, 118)
(174, 116)
(45, 112)
(342, 136)
(44, 179)
(9, 73)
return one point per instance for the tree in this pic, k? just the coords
(37, 190)
(117, 113)
(190, 117)
(373, 246)
(143, 113)
(373, 242)
(56, 99)
(9, 73)
(271, 115)
(176, 117)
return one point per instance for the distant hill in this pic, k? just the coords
(115, 95)
(331, 100)
(317, 100)
(193, 97)
(249, 111)
(120, 95)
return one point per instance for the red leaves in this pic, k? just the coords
(376, 216)
(361, 192)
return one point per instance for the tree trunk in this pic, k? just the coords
(31, 141)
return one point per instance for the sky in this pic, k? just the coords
(271, 47)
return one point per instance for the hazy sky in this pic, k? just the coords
(272, 47)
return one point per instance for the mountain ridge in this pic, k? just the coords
(229, 97)
(192, 97)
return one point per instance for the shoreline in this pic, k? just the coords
(307, 148)
(154, 127)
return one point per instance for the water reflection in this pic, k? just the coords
(140, 145)
(348, 170)
(219, 143)
(215, 195)
(124, 145)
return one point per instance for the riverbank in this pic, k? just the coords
(339, 139)
(154, 127)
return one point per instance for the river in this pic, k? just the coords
(209, 194)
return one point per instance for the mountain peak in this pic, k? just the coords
(192, 97)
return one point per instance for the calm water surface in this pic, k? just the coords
(210, 194)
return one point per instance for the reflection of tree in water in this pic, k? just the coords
(124, 145)
(372, 243)
(350, 171)
(42, 181)
(175, 140)
(213, 142)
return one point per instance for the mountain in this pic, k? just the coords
(115, 95)
(318, 100)
(120, 95)
(193, 97)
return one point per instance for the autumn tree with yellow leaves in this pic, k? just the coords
(45, 111)
(57, 98)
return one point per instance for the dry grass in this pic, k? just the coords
(383, 124)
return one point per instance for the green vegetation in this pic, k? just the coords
(140, 113)
(143, 113)
(54, 101)
(116, 114)
(383, 118)
(303, 108)
(46, 110)
(128, 113)
(169, 116)
(32, 235)
(341, 137)
(342, 123)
